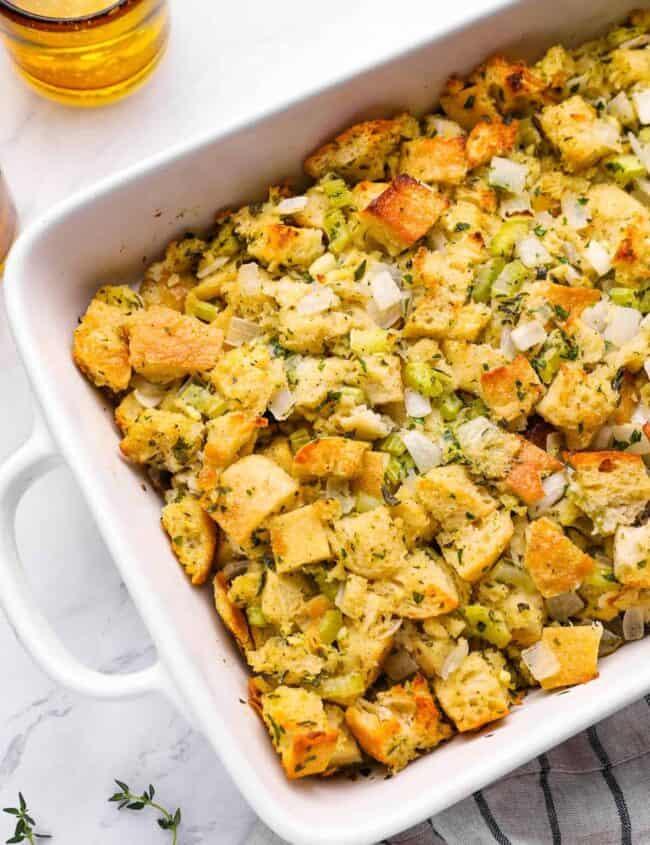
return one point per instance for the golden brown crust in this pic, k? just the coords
(338, 457)
(525, 477)
(232, 617)
(435, 159)
(511, 391)
(100, 349)
(576, 650)
(555, 563)
(490, 138)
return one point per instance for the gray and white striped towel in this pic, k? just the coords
(592, 790)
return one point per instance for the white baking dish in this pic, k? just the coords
(108, 233)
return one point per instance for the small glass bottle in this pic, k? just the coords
(8, 220)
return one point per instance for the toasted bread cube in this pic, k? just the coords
(193, 537)
(231, 616)
(451, 497)
(289, 658)
(563, 299)
(475, 547)
(629, 66)
(489, 449)
(299, 537)
(401, 723)
(283, 600)
(511, 391)
(432, 318)
(576, 649)
(100, 348)
(165, 345)
(574, 127)
(127, 412)
(249, 491)
(300, 730)
(164, 439)
(416, 521)
(279, 451)
(467, 103)
(429, 589)
(371, 477)
(530, 466)
(474, 694)
(278, 245)
(228, 437)
(470, 360)
(632, 555)
(247, 377)
(330, 457)
(382, 379)
(435, 159)
(490, 138)
(347, 751)
(612, 488)
(517, 87)
(555, 563)
(403, 214)
(362, 151)
(370, 544)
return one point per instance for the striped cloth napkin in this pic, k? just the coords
(592, 790)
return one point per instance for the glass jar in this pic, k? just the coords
(85, 52)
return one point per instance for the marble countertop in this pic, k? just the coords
(225, 62)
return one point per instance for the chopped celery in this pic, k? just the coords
(425, 379)
(329, 588)
(354, 395)
(547, 363)
(644, 135)
(336, 191)
(624, 296)
(394, 472)
(644, 301)
(195, 307)
(625, 168)
(601, 579)
(393, 444)
(488, 624)
(450, 407)
(366, 502)
(225, 243)
(200, 398)
(342, 689)
(510, 280)
(476, 408)
(299, 438)
(503, 243)
(482, 287)
(336, 230)
(370, 341)
(508, 573)
(255, 616)
(330, 625)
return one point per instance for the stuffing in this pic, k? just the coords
(474, 547)
(632, 555)
(417, 522)
(288, 659)
(247, 377)
(370, 544)
(338, 457)
(576, 651)
(436, 159)
(475, 694)
(574, 127)
(382, 379)
(451, 497)
(100, 347)
(370, 479)
(556, 565)
(403, 213)
(282, 600)
(399, 725)
(436, 319)
(276, 244)
(429, 589)
(470, 360)
(511, 391)
(489, 450)
(467, 103)
(490, 138)
(163, 439)
(629, 66)
(228, 437)
(564, 300)
(530, 467)
(193, 536)
(231, 616)
(347, 751)
(299, 537)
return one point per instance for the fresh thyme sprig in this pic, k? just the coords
(25, 824)
(128, 799)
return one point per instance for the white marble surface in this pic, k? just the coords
(226, 61)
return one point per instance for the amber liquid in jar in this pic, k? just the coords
(85, 52)
(7, 221)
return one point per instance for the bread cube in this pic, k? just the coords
(511, 391)
(432, 318)
(429, 589)
(362, 151)
(489, 450)
(231, 616)
(470, 360)
(566, 301)
(100, 348)
(490, 138)
(382, 379)
(275, 244)
(228, 437)
(530, 467)
(632, 555)
(555, 563)
(474, 694)
(165, 345)
(370, 544)
(515, 86)
(300, 730)
(347, 751)
(401, 723)
(247, 377)
(127, 412)
(164, 439)
(330, 457)
(467, 102)
(283, 600)
(576, 650)
(417, 523)
(573, 126)
(311, 334)
(475, 547)
(249, 491)
(193, 537)
(629, 66)
(288, 659)
(403, 214)
(371, 477)
(451, 497)
(435, 159)
(299, 537)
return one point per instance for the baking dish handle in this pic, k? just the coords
(32, 460)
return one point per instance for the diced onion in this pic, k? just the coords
(507, 174)
(318, 300)
(598, 257)
(603, 438)
(249, 279)
(281, 403)
(576, 212)
(528, 334)
(323, 264)
(518, 204)
(532, 252)
(241, 331)
(399, 665)
(570, 251)
(554, 487)
(634, 435)
(641, 191)
(425, 453)
(633, 623)
(554, 443)
(621, 108)
(384, 319)
(642, 103)
(339, 489)
(596, 316)
(642, 151)
(633, 43)
(291, 205)
(641, 414)
(416, 404)
(541, 661)
(444, 128)
(438, 240)
(213, 266)
(622, 324)
(149, 395)
(506, 345)
(385, 293)
(607, 132)
(563, 607)
(609, 642)
(234, 568)
(454, 659)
